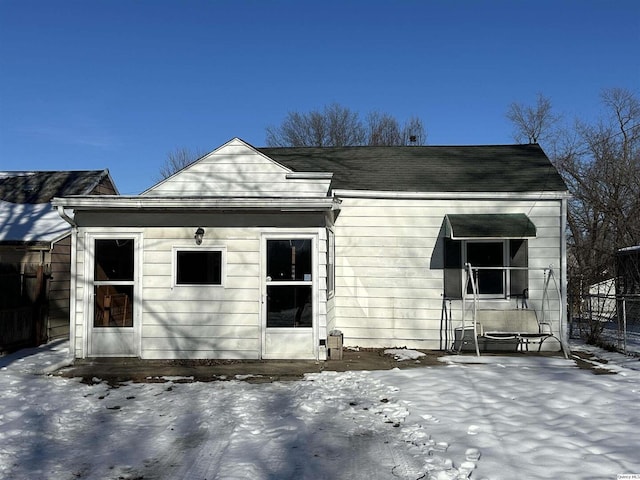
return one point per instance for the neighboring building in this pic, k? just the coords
(602, 301)
(628, 285)
(35, 252)
(262, 252)
(628, 270)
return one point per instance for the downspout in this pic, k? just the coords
(66, 217)
(563, 279)
(72, 281)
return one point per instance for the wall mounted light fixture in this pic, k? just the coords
(198, 236)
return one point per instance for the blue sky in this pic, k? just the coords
(119, 84)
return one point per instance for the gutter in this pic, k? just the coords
(462, 195)
(153, 203)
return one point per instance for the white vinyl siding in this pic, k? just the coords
(389, 265)
(196, 321)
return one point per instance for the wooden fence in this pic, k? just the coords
(22, 306)
(17, 328)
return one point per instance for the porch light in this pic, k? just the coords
(198, 236)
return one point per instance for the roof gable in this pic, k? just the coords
(498, 168)
(236, 169)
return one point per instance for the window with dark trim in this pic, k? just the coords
(496, 279)
(198, 267)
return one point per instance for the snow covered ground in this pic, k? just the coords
(616, 337)
(498, 417)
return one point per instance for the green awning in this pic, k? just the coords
(490, 226)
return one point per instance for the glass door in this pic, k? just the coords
(113, 325)
(289, 298)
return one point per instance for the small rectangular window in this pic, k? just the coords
(198, 267)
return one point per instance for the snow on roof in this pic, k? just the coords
(26, 222)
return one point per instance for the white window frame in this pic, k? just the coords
(223, 266)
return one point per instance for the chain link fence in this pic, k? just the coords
(607, 320)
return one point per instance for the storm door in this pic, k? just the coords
(289, 298)
(114, 326)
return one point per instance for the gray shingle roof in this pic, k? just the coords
(491, 168)
(42, 186)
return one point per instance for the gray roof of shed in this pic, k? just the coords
(42, 186)
(483, 168)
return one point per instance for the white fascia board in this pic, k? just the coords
(131, 203)
(451, 195)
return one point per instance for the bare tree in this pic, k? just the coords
(334, 126)
(383, 129)
(604, 179)
(600, 164)
(177, 160)
(338, 126)
(414, 132)
(532, 123)
(344, 126)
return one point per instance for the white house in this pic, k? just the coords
(260, 253)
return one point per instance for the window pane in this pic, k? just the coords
(289, 260)
(452, 268)
(487, 254)
(289, 306)
(114, 260)
(113, 306)
(518, 257)
(199, 268)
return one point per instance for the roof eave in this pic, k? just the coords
(541, 195)
(137, 203)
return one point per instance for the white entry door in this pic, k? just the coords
(289, 297)
(113, 296)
